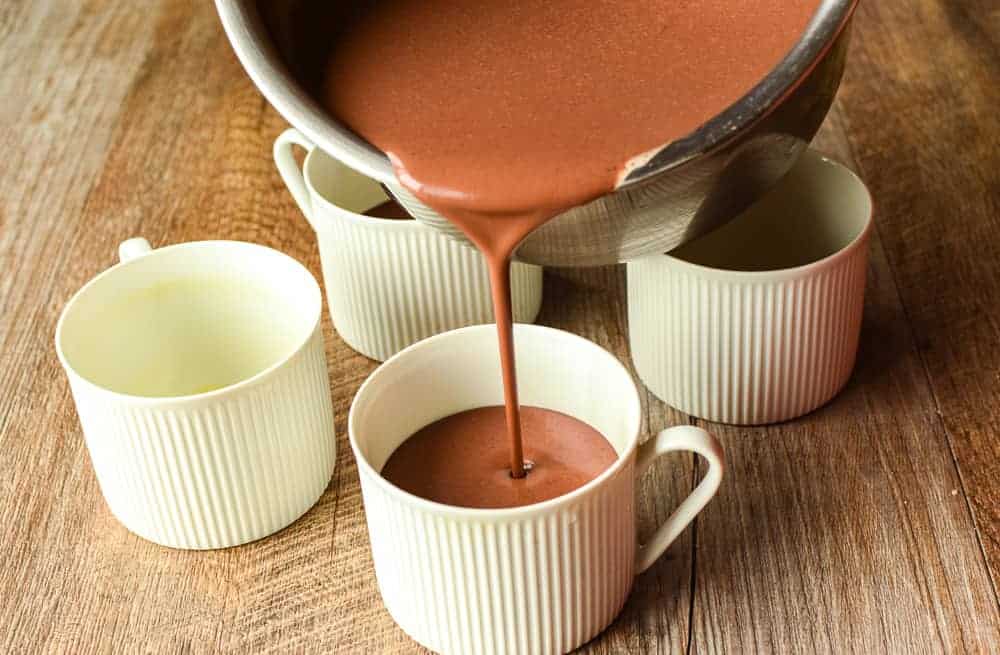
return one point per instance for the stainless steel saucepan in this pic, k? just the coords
(690, 186)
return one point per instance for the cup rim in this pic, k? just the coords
(258, 378)
(503, 513)
(793, 271)
(411, 225)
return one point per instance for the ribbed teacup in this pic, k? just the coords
(200, 380)
(390, 283)
(758, 321)
(539, 579)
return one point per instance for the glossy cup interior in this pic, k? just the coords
(341, 186)
(188, 319)
(817, 210)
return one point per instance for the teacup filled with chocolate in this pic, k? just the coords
(473, 559)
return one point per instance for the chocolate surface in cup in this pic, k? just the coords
(389, 209)
(502, 115)
(462, 460)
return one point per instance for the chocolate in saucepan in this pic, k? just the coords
(502, 115)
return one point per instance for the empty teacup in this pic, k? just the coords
(758, 321)
(390, 282)
(536, 578)
(200, 379)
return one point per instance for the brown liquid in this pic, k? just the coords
(461, 459)
(389, 209)
(503, 115)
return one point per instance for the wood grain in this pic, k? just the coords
(922, 110)
(848, 527)
(870, 525)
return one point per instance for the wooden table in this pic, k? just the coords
(870, 525)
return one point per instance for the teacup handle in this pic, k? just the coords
(681, 437)
(289, 169)
(132, 248)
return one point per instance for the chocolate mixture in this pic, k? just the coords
(565, 453)
(503, 115)
(389, 209)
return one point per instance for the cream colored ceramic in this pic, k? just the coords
(390, 283)
(758, 321)
(543, 578)
(200, 379)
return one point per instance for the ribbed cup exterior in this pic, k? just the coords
(746, 348)
(392, 283)
(217, 470)
(471, 584)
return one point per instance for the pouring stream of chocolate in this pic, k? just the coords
(501, 116)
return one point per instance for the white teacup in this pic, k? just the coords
(758, 321)
(200, 379)
(542, 578)
(390, 283)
